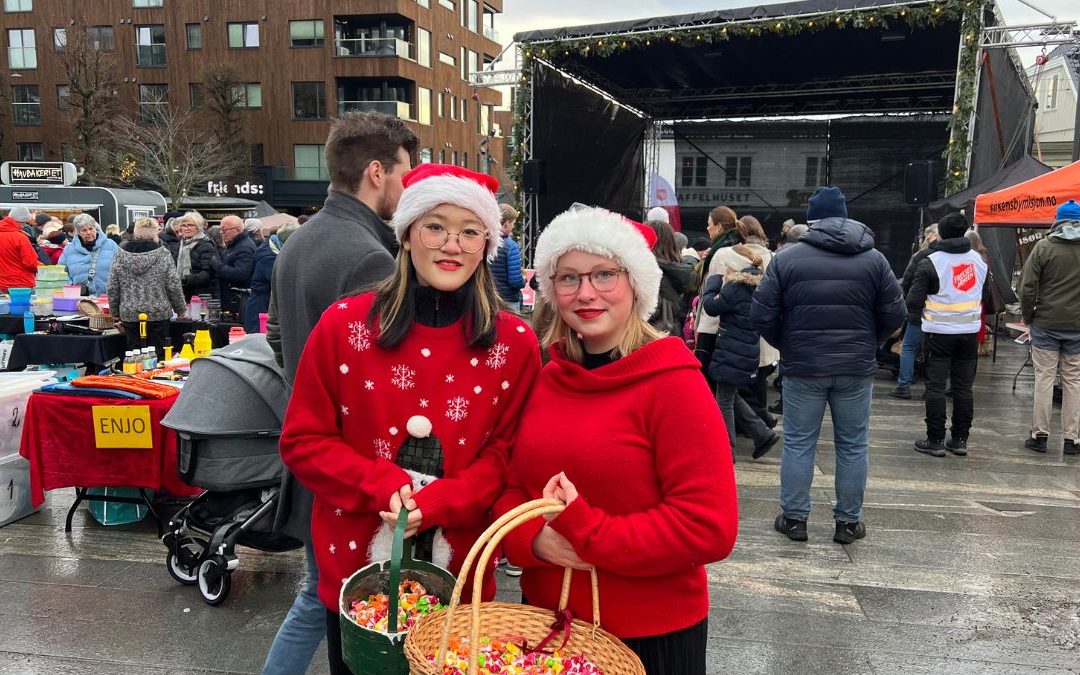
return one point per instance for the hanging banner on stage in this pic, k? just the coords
(122, 426)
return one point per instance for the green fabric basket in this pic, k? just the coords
(369, 652)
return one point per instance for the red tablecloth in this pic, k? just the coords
(58, 439)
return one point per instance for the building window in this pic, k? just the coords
(22, 55)
(147, 3)
(473, 19)
(453, 157)
(423, 105)
(483, 163)
(248, 95)
(18, 5)
(425, 155)
(442, 157)
(30, 152)
(59, 39)
(473, 63)
(310, 162)
(307, 33)
(453, 107)
(737, 171)
(243, 35)
(101, 37)
(423, 47)
(449, 4)
(150, 46)
(194, 35)
(258, 157)
(465, 160)
(440, 101)
(443, 58)
(63, 96)
(815, 172)
(309, 100)
(424, 3)
(153, 102)
(195, 93)
(26, 101)
(464, 110)
(695, 172)
(1051, 93)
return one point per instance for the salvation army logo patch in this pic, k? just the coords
(963, 277)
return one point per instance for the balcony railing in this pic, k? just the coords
(491, 34)
(402, 109)
(373, 47)
(150, 56)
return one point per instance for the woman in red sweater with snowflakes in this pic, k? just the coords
(622, 427)
(408, 396)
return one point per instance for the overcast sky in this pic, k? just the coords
(524, 15)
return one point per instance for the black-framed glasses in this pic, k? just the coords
(470, 239)
(602, 280)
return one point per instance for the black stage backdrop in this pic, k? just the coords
(591, 148)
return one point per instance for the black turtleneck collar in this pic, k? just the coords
(438, 309)
(594, 361)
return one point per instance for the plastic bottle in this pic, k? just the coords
(136, 358)
(149, 358)
(203, 343)
(129, 363)
(194, 307)
(236, 333)
(28, 321)
(168, 349)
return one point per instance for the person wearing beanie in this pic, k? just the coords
(1050, 305)
(649, 491)
(827, 302)
(947, 298)
(40, 219)
(18, 259)
(346, 246)
(412, 393)
(506, 267)
(658, 213)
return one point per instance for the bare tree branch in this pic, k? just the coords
(92, 82)
(222, 95)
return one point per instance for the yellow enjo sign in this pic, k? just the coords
(122, 426)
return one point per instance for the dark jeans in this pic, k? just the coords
(333, 645)
(756, 393)
(156, 334)
(950, 358)
(735, 410)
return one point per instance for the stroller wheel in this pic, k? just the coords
(183, 562)
(215, 581)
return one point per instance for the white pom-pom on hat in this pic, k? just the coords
(429, 185)
(418, 426)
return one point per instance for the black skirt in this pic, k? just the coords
(681, 652)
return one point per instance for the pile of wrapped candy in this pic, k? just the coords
(414, 602)
(507, 658)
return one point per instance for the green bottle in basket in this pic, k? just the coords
(370, 652)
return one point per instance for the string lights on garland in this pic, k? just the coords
(933, 13)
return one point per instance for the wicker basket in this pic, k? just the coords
(500, 620)
(99, 320)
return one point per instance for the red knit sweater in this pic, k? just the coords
(644, 443)
(347, 418)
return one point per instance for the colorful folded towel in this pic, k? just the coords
(145, 388)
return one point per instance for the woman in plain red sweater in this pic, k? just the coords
(622, 427)
(407, 397)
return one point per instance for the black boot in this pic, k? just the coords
(1038, 444)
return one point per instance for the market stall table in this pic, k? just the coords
(41, 348)
(68, 440)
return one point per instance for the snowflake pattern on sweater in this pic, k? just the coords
(350, 413)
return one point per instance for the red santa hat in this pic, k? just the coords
(601, 232)
(429, 185)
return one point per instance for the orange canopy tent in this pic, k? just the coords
(1033, 203)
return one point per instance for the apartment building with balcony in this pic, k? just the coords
(302, 61)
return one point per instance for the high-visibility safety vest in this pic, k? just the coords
(956, 308)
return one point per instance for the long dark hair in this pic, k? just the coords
(665, 249)
(394, 309)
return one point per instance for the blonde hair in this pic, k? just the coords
(145, 228)
(112, 228)
(191, 217)
(636, 334)
(507, 213)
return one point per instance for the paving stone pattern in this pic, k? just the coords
(970, 566)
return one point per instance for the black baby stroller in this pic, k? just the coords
(227, 420)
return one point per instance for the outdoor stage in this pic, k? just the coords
(969, 566)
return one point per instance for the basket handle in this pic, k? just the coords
(484, 548)
(395, 569)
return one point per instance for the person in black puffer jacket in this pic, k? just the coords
(195, 257)
(827, 302)
(734, 361)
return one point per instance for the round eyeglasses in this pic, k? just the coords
(602, 280)
(470, 239)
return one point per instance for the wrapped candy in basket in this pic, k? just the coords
(497, 634)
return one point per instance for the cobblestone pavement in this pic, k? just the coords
(970, 566)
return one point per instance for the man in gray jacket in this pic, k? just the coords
(346, 246)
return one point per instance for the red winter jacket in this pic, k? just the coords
(18, 261)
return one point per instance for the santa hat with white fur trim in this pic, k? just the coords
(601, 232)
(429, 185)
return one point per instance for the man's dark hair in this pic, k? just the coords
(357, 139)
